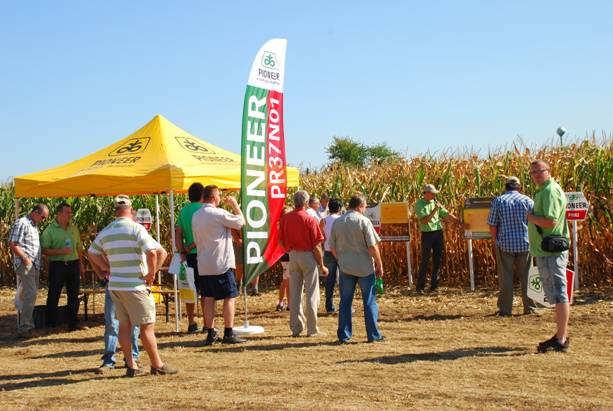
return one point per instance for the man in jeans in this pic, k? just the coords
(329, 259)
(354, 242)
(429, 213)
(24, 242)
(61, 244)
(300, 235)
(548, 217)
(111, 333)
(509, 227)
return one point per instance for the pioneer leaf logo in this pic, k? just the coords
(269, 70)
(192, 145)
(131, 146)
(269, 60)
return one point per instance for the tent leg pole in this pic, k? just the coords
(157, 230)
(171, 200)
(16, 208)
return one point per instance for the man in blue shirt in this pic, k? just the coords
(509, 227)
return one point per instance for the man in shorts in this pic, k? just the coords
(548, 217)
(131, 257)
(212, 227)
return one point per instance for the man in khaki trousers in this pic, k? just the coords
(301, 236)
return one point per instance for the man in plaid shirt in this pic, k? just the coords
(25, 244)
(508, 225)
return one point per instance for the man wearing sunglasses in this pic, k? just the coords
(25, 245)
(548, 218)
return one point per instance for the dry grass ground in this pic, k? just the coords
(444, 351)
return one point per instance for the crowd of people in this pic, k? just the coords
(323, 245)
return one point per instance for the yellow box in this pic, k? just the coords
(394, 213)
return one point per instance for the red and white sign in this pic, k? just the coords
(576, 206)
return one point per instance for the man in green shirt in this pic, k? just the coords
(548, 217)
(61, 244)
(184, 242)
(430, 214)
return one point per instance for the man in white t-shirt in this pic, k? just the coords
(313, 208)
(324, 201)
(212, 227)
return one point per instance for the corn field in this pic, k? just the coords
(584, 166)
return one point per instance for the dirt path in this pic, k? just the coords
(445, 351)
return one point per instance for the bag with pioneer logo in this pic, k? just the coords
(553, 243)
(187, 286)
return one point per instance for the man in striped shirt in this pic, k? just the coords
(131, 257)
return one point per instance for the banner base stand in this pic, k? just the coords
(247, 329)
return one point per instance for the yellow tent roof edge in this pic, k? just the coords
(156, 158)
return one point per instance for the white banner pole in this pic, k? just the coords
(576, 255)
(471, 268)
(171, 200)
(409, 267)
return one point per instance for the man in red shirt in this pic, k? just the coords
(301, 237)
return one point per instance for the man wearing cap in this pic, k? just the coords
(61, 244)
(509, 227)
(429, 213)
(131, 257)
(24, 242)
(548, 217)
(212, 227)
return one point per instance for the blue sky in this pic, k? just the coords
(420, 76)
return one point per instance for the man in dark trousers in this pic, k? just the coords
(184, 241)
(61, 244)
(430, 214)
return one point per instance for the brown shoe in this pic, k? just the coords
(134, 372)
(164, 370)
(25, 335)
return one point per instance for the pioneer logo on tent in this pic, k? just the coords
(192, 145)
(131, 146)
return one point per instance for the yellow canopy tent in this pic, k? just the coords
(158, 158)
